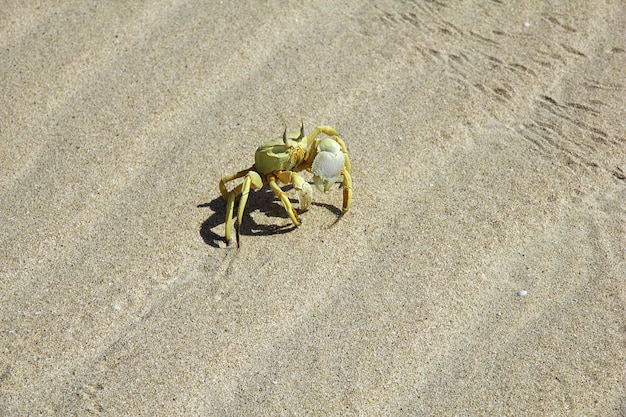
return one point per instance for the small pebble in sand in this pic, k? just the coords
(526, 24)
(521, 293)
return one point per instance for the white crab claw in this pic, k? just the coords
(303, 191)
(327, 165)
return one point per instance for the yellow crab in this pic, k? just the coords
(279, 160)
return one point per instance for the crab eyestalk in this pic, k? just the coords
(301, 132)
(328, 164)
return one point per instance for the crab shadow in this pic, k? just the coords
(262, 200)
(336, 211)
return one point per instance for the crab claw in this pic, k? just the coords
(303, 191)
(305, 196)
(328, 164)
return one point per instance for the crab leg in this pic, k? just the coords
(283, 197)
(251, 180)
(229, 178)
(347, 188)
(347, 179)
(322, 129)
(311, 143)
(303, 189)
(230, 209)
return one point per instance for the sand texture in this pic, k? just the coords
(487, 141)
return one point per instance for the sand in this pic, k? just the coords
(487, 142)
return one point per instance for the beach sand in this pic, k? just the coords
(487, 142)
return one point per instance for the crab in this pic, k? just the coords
(279, 161)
